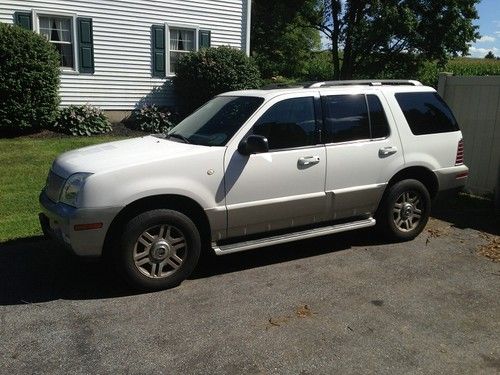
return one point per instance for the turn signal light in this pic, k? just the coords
(79, 227)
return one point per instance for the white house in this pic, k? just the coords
(117, 54)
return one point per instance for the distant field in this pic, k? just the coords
(459, 66)
(473, 67)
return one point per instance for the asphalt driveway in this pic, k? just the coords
(345, 304)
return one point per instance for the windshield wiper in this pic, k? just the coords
(178, 136)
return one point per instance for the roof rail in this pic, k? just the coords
(274, 86)
(368, 82)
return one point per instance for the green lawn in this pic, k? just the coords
(24, 163)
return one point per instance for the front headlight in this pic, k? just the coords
(72, 187)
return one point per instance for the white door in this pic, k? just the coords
(363, 151)
(284, 187)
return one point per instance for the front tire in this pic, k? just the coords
(405, 210)
(159, 249)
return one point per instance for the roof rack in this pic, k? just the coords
(367, 82)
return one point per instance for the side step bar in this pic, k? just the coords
(289, 237)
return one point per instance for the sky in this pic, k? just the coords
(489, 28)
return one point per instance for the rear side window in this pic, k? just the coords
(426, 113)
(378, 120)
(288, 124)
(346, 118)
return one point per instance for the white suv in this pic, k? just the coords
(256, 168)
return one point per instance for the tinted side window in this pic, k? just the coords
(289, 123)
(426, 113)
(346, 118)
(378, 120)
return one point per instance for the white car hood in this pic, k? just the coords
(119, 154)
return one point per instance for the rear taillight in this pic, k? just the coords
(460, 153)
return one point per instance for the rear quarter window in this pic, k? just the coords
(426, 113)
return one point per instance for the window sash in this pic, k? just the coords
(60, 30)
(182, 39)
(56, 29)
(59, 42)
(188, 34)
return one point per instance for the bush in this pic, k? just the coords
(280, 81)
(202, 75)
(429, 73)
(82, 120)
(29, 81)
(319, 67)
(153, 119)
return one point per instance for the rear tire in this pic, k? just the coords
(405, 210)
(158, 249)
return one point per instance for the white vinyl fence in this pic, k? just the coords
(476, 104)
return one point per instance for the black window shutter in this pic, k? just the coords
(204, 39)
(23, 19)
(85, 45)
(158, 50)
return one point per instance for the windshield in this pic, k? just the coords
(217, 121)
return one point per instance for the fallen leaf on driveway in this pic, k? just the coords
(278, 321)
(435, 229)
(491, 250)
(303, 311)
(437, 232)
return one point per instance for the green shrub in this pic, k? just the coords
(202, 75)
(29, 81)
(429, 73)
(319, 67)
(280, 81)
(82, 120)
(153, 119)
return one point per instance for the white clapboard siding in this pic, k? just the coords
(122, 44)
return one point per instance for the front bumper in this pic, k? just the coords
(58, 221)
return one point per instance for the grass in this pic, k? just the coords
(24, 164)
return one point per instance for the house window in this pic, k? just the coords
(169, 43)
(59, 32)
(182, 41)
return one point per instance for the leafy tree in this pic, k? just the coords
(489, 55)
(369, 37)
(281, 40)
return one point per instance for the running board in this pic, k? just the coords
(289, 237)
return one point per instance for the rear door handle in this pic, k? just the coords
(308, 160)
(386, 151)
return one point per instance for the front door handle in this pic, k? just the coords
(308, 160)
(386, 151)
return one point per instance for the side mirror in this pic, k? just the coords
(253, 144)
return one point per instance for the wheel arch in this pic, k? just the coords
(180, 203)
(419, 173)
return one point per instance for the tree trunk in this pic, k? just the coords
(336, 10)
(353, 17)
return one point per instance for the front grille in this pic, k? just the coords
(54, 186)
